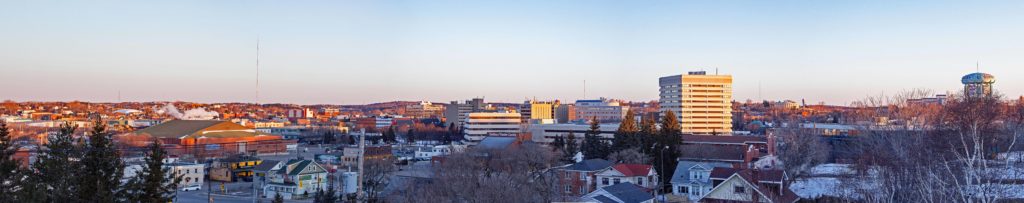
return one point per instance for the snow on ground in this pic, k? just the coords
(832, 170)
(815, 187)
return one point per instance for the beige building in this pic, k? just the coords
(702, 102)
(539, 109)
(424, 110)
(482, 124)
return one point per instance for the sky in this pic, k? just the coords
(357, 52)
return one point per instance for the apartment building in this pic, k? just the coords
(702, 102)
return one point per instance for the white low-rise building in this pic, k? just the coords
(439, 150)
(546, 133)
(482, 124)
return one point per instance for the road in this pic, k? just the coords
(201, 196)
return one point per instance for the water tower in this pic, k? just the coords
(977, 85)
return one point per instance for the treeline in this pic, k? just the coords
(636, 144)
(84, 169)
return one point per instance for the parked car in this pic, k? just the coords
(192, 188)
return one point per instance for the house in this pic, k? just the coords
(296, 178)
(749, 185)
(639, 174)
(739, 151)
(693, 179)
(234, 168)
(620, 193)
(191, 173)
(350, 154)
(580, 178)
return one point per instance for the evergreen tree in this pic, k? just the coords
(571, 147)
(648, 131)
(319, 196)
(626, 135)
(558, 144)
(351, 139)
(153, 183)
(410, 137)
(593, 146)
(330, 194)
(328, 137)
(666, 149)
(102, 167)
(278, 198)
(10, 175)
(389, 135)
(451, 133)
(57, 167)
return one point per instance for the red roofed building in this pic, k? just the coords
(639, 174)
(207, 138)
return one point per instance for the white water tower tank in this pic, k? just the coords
(349, 181)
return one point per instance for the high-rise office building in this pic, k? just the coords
(702, 102)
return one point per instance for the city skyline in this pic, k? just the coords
(368, 52)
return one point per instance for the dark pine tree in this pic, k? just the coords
(647, 135)
(10, 175)
(571, 148)
(450, 136)
(558, 144)
(410, 137)
(328, 137)
(319, 196)
(330, 195)
(626, 135)
(153, 183)
(593, 146)
(56, 173)
(389, 135)
(102, 167)
(278, 198)
(666, 149)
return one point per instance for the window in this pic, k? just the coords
(604, 181)
(615, 181)
(739, 189)
(683, 190)
(583, 190)
(583, 175)
(568, 189)
(640, 181)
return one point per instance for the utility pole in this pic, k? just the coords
(362, 146)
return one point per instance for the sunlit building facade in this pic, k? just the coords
(702, 102)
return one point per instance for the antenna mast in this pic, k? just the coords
(584, 89)
(257, 70)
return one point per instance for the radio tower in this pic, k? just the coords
(257, 70)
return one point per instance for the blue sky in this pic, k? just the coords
(351, 52)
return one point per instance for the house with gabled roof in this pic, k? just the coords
(295, 179)
(750, 185)
(692, 179)
(639, 174)
(580, 178)
(620, 193)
